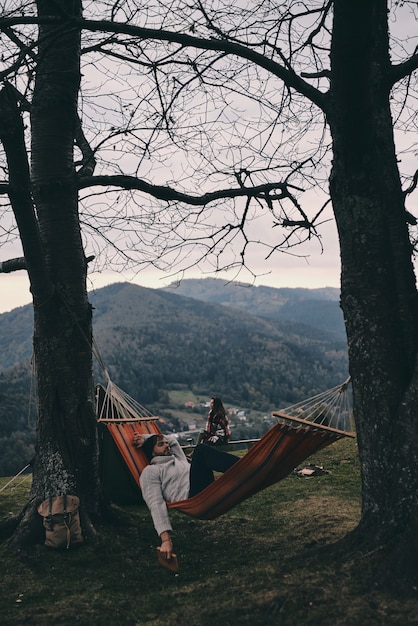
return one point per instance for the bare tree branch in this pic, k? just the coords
(12, 265)
(221, 45)
(413, 185)
(404, 69)
(12, 137)
(167, 194)
(88, 162)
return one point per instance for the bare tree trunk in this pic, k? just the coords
(66, 458)
(378, 292)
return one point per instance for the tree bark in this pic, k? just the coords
(378, 292)
(66, 458)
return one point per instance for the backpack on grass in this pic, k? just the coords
(61, 520)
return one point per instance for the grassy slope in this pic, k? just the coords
(266, 562)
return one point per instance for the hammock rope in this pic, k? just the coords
(113, 404)
(331, 408)
(16, 476)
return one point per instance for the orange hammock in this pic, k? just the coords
(289, 442)
(272, 458)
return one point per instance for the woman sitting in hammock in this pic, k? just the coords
(217, 431)
(170, 477)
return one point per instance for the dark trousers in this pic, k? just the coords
(205, 460)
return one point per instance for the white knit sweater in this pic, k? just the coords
(166, 479)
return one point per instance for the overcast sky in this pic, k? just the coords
(282, 270)
(312, 268)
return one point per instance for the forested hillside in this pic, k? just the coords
(151, 339)
(17, 419)
(155, 341)
(16, 329)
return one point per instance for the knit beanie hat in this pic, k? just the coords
(148, 446)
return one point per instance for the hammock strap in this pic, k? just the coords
(15, 477)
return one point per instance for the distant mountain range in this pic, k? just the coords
(237, 346)
(314, 307)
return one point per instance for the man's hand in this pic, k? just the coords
(138, 440)
(166, 548)
(213, 439)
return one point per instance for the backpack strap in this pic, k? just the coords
(48, 518)
(66, 516)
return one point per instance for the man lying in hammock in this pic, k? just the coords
(170, 477)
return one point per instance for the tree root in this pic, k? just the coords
(398, 570)
(29, 529)
(87, 526)
(9, 525)
(393, 560)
